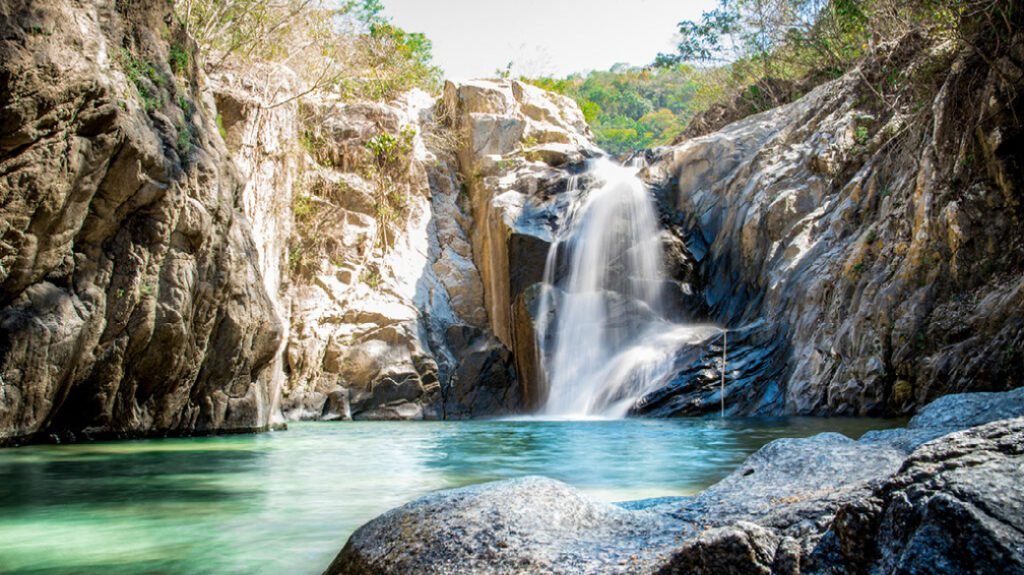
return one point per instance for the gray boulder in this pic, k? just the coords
(528, 525)
(956, 506)
(889, 503)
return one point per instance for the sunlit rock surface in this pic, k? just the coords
(388, 315)
(868, 262)
(394, 316)
(519, 145)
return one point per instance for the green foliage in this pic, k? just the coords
(220, 127)
(404, 60)
(180, 59)
(370, 277)
(862, 135)
(789, 40)
(148, 81)
(302, 206)
(295, 257)
(391, 156)
(390, 150)
(184, 140)
(347, 46)
(631, 108)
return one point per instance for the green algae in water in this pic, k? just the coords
(286, 502)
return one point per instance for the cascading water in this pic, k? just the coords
(603, 338)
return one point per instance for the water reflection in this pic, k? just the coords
(286, 502)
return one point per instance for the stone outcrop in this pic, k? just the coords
(519, 148)
(868, 261)
(131, 299)
(930, 498)
(377, 282)
(375, 265)
(182, 254)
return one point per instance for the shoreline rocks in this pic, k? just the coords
(899, 501)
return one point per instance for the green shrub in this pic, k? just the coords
(148, 81)
(302, 206)
(862, 135)
(348, 46)
(391, 150)
(180, 59)
(184, 141)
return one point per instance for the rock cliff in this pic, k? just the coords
(383, 223)
(182, 254)
(866, 257)
(131, 299)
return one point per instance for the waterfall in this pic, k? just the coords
(603, 339)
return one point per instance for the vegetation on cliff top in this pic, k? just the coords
(347, 47)
(747, 56)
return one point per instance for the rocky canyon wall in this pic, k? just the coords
(189, 254)
(182, 254)
(867, 260)
(131, 299)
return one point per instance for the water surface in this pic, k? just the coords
(285, 502)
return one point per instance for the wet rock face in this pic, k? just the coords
(916, 500)
(882, 251)
(131, 301)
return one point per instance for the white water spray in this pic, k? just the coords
(608, 343)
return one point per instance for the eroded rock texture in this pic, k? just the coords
(869, 261)
(131, 300)
(392, 309)
(519, 147)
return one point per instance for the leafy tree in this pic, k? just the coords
(631, 108)
(350, 46)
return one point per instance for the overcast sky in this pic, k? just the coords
(473, 38)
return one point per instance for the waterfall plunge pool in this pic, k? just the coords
(286, 502)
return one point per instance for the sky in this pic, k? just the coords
(474, 38)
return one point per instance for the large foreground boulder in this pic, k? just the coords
(928, 499)
(956, 506)
(527, 525)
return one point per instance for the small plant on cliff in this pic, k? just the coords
(391, 155)
(180, 59)
(391, 151)
(147, 79)
(302, 207)
(184, 141)
(862, 135)
(220, 127)
(371, 278)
